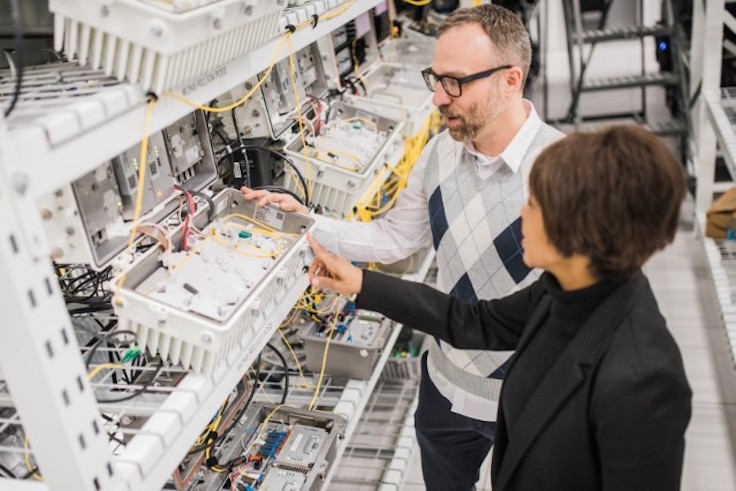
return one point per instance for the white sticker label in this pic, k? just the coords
(192, 155)
(270, 216)
(296, 443)
(220, 206)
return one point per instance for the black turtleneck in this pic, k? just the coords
(567, 314)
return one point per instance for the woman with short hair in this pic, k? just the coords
(596, 396)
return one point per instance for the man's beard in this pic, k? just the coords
(470, 124)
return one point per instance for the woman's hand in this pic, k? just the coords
(285, 202)
(333, 273)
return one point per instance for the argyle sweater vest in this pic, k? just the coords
(476, 232)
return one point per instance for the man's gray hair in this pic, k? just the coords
(504, 28)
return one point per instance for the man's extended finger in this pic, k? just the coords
(250, 192)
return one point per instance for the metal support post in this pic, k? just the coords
(708, 22)
(39, 355)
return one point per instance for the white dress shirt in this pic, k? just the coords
(405, 228)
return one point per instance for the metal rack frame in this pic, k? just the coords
(384, 440)
(715, 127)
(39, 357)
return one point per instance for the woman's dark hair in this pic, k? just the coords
(613, 196)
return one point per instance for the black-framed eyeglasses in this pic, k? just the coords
(454, 85)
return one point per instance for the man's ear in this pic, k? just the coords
(514, 78)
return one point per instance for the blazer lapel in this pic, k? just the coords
(566, 375)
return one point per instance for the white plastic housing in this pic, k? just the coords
(398, 92)
(338, 189)
(159, 45)
(198, 342)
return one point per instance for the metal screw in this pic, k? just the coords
(69, 231)
(217, 24)
(351, 184)
(46, 214)
(157, 30)
(105, 11)
(248, 85)
(206, 338)
(256, 113)
(248, 9)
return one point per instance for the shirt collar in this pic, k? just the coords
(515, 151)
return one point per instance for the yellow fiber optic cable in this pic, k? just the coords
(247, 95)
(292, 80)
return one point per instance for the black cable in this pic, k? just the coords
(208, 114)
(138, 392)
(246, 176)
(243, 458)
(18, 37)
(113, 359)
(219, 133)
(286, 371)
(221, 159)
(212, 442)
(211, 209)
(90, 308)
(287, 160)
(71, 287)
(362, 85)
(105, 336)
(72, 294)
(276, 189)
(30, 473)
(7, 472)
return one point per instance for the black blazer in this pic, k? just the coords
(610, 414)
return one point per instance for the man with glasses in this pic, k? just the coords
(463, 196)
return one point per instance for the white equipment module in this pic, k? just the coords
(355, 346)
(194, 306)
(161, 44)
(281, 449)
(348, 154)
(88, 220)
(396, 91)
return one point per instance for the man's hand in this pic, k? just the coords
(333, 273)
(285, 202)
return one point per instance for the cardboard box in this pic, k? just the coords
(722, 216)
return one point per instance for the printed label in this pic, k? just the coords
(270, 216)
(204, 80)
(296, 443)
(220, 206)
(192, 155)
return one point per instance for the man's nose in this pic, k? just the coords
(440, 97)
